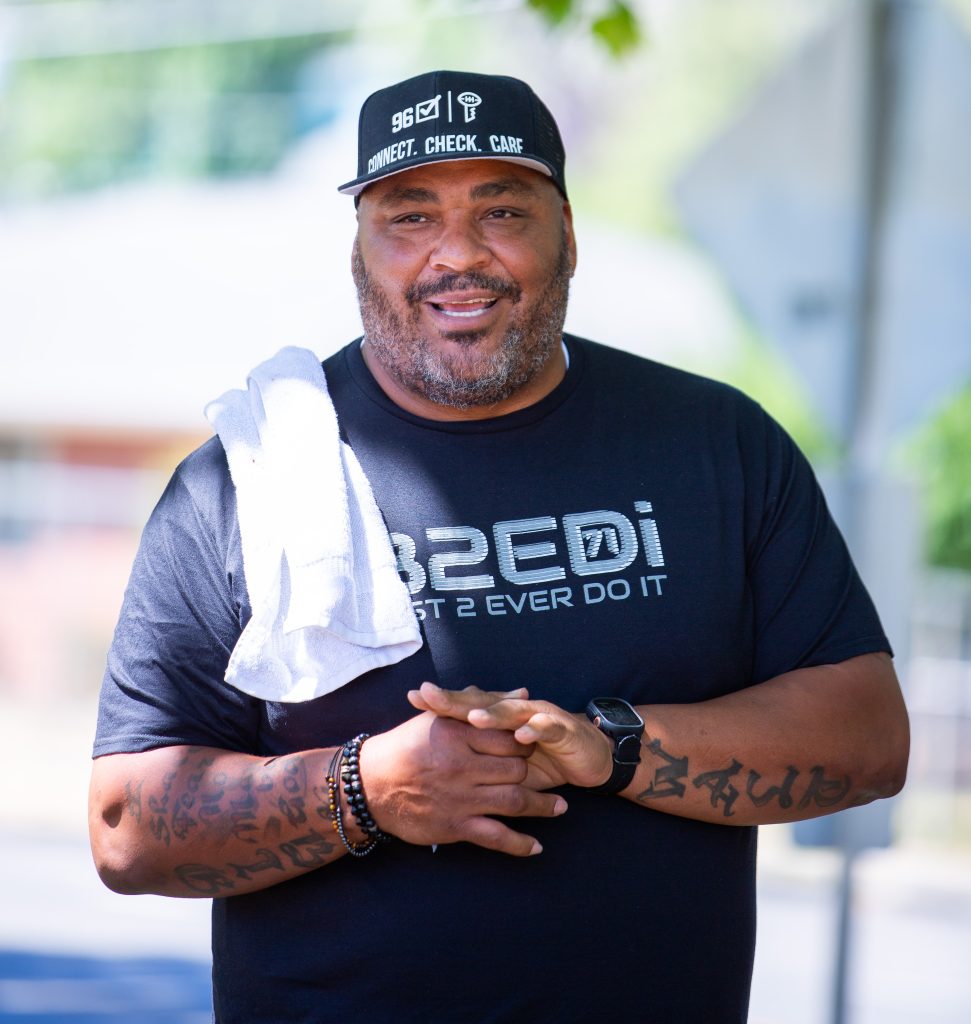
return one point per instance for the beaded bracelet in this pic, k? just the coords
(354, 789)
(336, 817)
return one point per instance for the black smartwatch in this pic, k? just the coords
(624, 726)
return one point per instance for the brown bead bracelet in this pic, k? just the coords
(348, 757)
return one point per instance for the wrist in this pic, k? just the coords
(602, 762)
(622, 727)
(355, 834)
(350, 815)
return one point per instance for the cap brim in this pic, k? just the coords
(358, 185)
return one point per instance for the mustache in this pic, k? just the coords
(463, 283)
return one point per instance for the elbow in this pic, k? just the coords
(119, 874)
(887, 773)
(116, 856)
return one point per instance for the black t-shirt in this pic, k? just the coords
(640, 532)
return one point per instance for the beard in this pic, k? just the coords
(463, 377)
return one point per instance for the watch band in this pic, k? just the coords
(626, 737)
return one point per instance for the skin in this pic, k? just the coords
(198, 821)
(462, 270)
(803, 744)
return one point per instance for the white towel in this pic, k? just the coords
(328, 603)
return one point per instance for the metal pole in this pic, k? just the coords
(864, 441)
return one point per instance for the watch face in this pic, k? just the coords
(618, 712)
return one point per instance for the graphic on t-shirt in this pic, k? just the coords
(585, 544)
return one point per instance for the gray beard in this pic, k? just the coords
(463, 380)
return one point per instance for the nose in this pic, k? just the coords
(459, 247)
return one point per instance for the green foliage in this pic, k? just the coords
(83, 122)
(616, 27)
(555, 11)
(942, 455)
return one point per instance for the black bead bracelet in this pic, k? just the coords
(348, 757)
(354, 788)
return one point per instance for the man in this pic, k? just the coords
(575, 525)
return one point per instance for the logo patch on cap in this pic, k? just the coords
(454, 115)
(469, 101)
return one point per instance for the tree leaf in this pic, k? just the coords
(555, 11)
(617, 29)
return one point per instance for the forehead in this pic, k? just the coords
(459, 181)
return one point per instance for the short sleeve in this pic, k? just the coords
(810, 605)
(182, 613)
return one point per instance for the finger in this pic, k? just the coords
(416, 700)
(458, 703)
(508, 714)
(519, 802)
(494, 835)
(497, 742)
(543, 728)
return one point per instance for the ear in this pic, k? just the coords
(569, 236)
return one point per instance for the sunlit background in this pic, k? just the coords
(772, 192)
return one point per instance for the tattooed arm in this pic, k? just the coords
(804, 744)
(200, 821)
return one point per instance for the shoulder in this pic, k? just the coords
(201, 491)
(626, 376)
(204, 473)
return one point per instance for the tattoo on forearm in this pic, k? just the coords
(824, 792)
(159, 808)
(667, 777)
(722, 791)
(260, 807)
(308, 851)
(820, 791)
(203, 879)
(267, 860)
(781, 793)
(133, 799)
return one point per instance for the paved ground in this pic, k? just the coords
(71, 952)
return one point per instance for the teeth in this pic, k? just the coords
(470, 312)
(481, 305)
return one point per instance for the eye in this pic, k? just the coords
(411, 218)
(503, 213)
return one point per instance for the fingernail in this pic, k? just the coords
(559, 807)
(536, 849)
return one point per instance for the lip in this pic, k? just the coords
(462, 307)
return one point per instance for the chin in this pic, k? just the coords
(466, 338)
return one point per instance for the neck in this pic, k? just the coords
(535, 389)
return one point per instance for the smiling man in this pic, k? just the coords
(463, 272)
(642, 637)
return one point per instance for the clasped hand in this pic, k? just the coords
(443, 775)
(565, 747)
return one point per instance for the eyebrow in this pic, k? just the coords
(504, 186)
(487, 190)
(400, 194)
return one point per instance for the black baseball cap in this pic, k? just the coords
(455, 115)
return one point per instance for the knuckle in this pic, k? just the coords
(513, 800)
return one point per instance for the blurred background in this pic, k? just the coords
(772, 192)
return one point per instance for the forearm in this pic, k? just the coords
(807, 743)
(199, 821)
